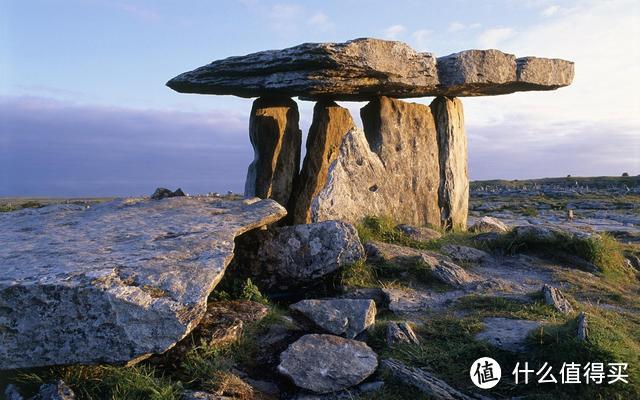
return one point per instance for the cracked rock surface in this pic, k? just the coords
(116, 281)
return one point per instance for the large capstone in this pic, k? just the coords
(330, 124)
(276, 140)
(115, 281)
(363, 69)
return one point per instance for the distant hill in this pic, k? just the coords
(595, 182)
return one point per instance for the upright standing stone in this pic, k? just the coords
(276, 140)
(454, 178)
(330, 124)
(391, 168)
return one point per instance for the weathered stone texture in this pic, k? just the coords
(294, 257)
(363, 69)
(330, 124)
(454, 177)
(114, 281)
(276, 140)
(327, 363)
(344, 317)
(390, 168)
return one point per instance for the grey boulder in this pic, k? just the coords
(488, 224)
(327, 363)
(343, 317)
(555, 298)
(293, 257)
(116, 281)
(465, 254)
(400, 332)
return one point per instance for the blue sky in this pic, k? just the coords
(84, 109)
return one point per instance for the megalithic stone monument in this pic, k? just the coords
(409, 161)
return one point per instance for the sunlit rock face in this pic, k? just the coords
(115, 281)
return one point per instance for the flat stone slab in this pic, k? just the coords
(507, 334)
(366, 68)
(115, 281)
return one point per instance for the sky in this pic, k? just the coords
(84, 110)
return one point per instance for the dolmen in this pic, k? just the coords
(408, 160)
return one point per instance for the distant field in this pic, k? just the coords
(596, 182)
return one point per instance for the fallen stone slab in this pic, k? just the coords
(293, 257)
(116, 281)
(422, 380)
(363, 69)
(400, 332)
(327, 363)
(507, 334)
(343, 317)
(555, 298)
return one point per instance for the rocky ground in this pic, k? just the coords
(409, 320)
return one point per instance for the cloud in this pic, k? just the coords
(139, 11)
(421, 38)
(457, 26)
(58, 148)
(394, 31)
(285, 18)
(518, 149)
(320, 21)
(549, 11)
(491, 38)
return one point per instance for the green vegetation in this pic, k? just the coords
(596, 182)
(13, 207)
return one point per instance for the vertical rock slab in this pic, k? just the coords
(454, 177)
(276, 140)
(330, 124)
(392, 168)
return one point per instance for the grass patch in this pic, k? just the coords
(383, 229)
(108, 382)
(492, 306)
(601, 251)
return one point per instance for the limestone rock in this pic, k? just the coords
(343, 317)
(507, 334)
(364, 390)
(115, 281)
(419, 233)
(554, 297)
(330, 124)
(390, 168)
(492, 72)
(276, 140)
(327, 363)
(400, 332)
(465, 254)
(55, 391)
(488, 224)
(440, 267)
(292, 257)
(363, 69)
(163, 193)
(223, 323)
(422, 380)
(534, 232)
(583, 328)
(454, 177)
